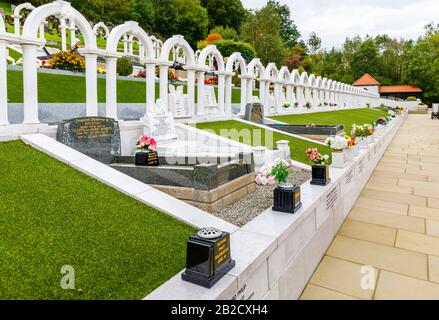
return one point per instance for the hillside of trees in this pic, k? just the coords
(271, 34)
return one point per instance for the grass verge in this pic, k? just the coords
(344, 117)
(256, 136)
(52, 215)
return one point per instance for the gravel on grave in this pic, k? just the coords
(252, 205)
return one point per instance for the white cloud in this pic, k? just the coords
(335, 20)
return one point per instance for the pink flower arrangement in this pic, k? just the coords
(146, 143)
(315, 157)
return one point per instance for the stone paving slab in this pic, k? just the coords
(393, 228)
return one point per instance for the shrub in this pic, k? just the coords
(227, 33)
(214, 37)
(227, 47)
(68, 60)
(411, 98)
(124, 66)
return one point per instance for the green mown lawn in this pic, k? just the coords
(53, 88)
(297, 146)
(52, 215)
(344, 117)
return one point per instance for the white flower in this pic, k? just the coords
(337, 144)
(264, 181)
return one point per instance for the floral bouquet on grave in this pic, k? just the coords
(145, 143)
(352, 141)
(358, 131)
(381, 121)
(337, 144)
(316, 158)
(296, 104)
(287, 105)
(369, 129)
(272, 173)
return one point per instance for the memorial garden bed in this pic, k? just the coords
(344, 117)
(53, 215)
(297, 146)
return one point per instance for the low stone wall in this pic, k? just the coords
(215, 199)
(276, 254)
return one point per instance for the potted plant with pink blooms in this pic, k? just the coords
(146, 152)
(319, 165)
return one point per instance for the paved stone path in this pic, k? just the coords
(393, 227)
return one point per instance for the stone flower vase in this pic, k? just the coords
(349, 154)
(355, 150)
(362, 143)
(338, 159)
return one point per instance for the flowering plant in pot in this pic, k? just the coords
(369, 131)
(338, 145)
(353, 149)
(146, 154)
(320, 169)
(308, 105)
(296, 104)
(286, 197)
(359, 132)
(287, 105)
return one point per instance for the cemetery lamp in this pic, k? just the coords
(208, 257)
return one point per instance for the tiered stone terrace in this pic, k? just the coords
(394, 226)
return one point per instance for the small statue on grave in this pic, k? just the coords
(159, 107)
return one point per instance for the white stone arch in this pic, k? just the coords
(2, 24)
(158, 44)
(209, 53)
(129, 29)
(17, 15)
(30, 44)
(271, 75)
(236, 60)
(318, 98)
(298, 97)
(164, 64)
(101, 25)
(285, 79)
(304, 80)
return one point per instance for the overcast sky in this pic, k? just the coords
(334, 20)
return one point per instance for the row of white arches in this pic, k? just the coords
(301, 90)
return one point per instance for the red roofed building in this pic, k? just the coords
(367, 82)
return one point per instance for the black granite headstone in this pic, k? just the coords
(254, 112)
(96, 137)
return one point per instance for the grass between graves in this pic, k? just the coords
(56, 88)
(52, 216)
(227, 128)
(344, 117)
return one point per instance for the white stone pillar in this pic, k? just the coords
(3, 85)
(289, 93)
(243, 94)
(141, 51)
(150, 87)
(200, 92)
(228, 95)
(72, 34)
(267, 98)
(262, 85)
(249, 91)
(277, 88)
(17, 24)
(191, 89)
(63, 34)
(164, 86)
(41, 30)
(91, 80)
(30, 84)
(221, 87)
(111, 87)
(125, 44)
(130, 46)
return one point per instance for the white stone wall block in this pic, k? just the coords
(293, 281)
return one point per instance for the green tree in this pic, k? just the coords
(262, 32)
(185, 17)
(288, 29)
(226, 13)
(314, 43)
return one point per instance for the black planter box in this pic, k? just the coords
(320, 175)
(287, 199)
(147, 158)
(207, 260)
